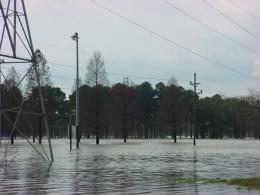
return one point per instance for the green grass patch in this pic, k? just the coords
(250, 183)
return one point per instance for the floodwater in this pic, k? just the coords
(137, 167)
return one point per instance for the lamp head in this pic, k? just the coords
(75, 36)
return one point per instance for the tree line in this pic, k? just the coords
(126, 110)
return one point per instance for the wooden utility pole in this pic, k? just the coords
(194, 128)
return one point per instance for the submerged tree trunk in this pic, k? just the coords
(174, 130)
(191, 126)
(97, 127)
(174, 134)
(124, 134)
(88, 134)
(145, 129)
(33, 137)
(40, 131)
(97, 115)
(12, 138)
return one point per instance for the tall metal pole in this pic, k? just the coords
(43, 108)
(194, 126)
(70, 133)
(15, 17)
(194, 110)
(35, 66)
(1, 132)
(75, 37)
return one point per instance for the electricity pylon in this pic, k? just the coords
(16, 46)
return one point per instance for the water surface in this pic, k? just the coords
(137, 167)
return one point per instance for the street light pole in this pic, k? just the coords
(75, 37)
(70, 128)
(1, 133)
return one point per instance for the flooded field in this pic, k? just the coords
(137, 167)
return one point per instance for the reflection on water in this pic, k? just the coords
(137, 167)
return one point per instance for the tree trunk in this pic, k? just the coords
(12, 138)
(97, 116)
(40, 131)
(33, 137)
(97, 139)
(145, 129)
(191, 126)
(124, 134)
(175, 136)
(88, 134)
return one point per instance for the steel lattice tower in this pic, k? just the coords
(16, 46)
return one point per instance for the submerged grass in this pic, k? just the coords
(250, 183)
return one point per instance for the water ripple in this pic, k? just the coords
(138, 167)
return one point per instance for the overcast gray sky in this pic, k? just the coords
(129, 50)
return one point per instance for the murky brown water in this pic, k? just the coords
(138, 167)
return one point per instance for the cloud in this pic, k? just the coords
(130, 50)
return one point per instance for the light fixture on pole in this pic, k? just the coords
(75, 37)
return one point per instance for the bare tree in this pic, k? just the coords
(12, 96)
(253, 98)
(96, 77)
(96, 73)
(12, 78)
(44, 72)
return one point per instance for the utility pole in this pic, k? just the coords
(194, 84)
(70, 133)
(1, 132)
(75, 37)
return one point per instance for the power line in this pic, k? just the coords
(139, 77)
(173, 42)
(210, 27)
(231, 20)
(55, 76)
(244, 10)
(112, 73)
(211, 88)
(65, 65)
(117, 74)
